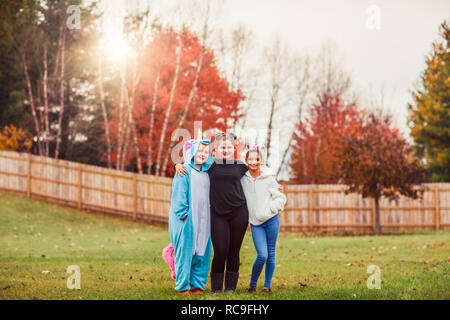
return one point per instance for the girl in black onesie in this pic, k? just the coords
(229, 213)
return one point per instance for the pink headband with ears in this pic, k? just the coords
(257, 148)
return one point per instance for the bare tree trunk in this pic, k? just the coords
(322, 119)
(303, 86)
(33, 108)
(135, 143)
(126, 144)
(55, 71)
(250, 103)
(277, 58)
(47, 129)
(152, 120)
(120, 137)
(302, 152)
(272, 112)
(102, 104)
(377, 217)
(130, 105)
(283, 159)
(316, 159)
(169, 108)
(61, 111)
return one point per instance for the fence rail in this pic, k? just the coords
(146, 197)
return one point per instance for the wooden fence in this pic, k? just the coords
(145, 197)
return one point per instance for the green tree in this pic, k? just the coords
(430, 113)
(47, 74)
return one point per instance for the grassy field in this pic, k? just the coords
(122, 260)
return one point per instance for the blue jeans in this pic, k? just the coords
(265, 239)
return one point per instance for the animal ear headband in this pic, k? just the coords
(255, 147)
(260, 149)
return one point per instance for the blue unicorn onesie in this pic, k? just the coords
(189, 222)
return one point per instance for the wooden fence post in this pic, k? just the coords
(310, 208)
(29, 176)
(80, 195)
(437, 210)
(135, 196)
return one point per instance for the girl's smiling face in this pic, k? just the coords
(225, 149)
(253, 160)
(202, 154)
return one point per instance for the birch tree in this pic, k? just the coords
(302, 83)
(276, 57)
(178, 52)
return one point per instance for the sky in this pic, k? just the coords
(389, 59)
(381, 44)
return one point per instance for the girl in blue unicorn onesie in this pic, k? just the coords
(189, 219)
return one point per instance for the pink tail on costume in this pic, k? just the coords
(167, 254)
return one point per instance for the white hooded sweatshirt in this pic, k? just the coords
(264, 201)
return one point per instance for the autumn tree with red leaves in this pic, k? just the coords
(165, 98)
(315, 141)
(376, 161)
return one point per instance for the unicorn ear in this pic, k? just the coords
(186, 147)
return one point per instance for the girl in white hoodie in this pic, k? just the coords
(264, 202)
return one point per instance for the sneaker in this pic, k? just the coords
(251, 289)
(266, 290)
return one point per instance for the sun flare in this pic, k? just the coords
(116, 47)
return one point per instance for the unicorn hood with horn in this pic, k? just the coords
(189, 221)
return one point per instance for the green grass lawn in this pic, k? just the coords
(122, 260)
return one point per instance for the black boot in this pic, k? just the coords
(231, 280)
(216, 282)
